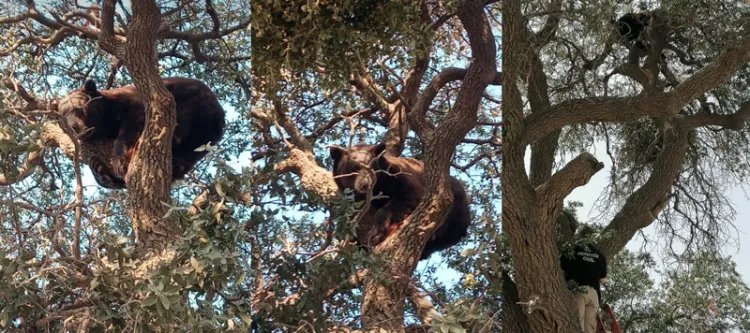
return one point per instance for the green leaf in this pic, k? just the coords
(164, 302)
(149, 301)
(26, 256)
(12, 268)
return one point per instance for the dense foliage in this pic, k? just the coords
(60, 269)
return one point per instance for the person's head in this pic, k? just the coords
(584, 231)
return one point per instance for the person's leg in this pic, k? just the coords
(580, 300)
(592, 305)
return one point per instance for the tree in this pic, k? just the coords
(702, 292)
(674, 126)
(325, 74)
(65, 256)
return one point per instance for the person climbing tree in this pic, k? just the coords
(586, 268)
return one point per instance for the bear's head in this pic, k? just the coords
(84, 110)
(349, 166)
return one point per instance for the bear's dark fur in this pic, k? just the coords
(119, 115)
(400, 179)
(632, 24)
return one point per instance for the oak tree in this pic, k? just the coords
(672, 120)
(78, 257)
(413, 75)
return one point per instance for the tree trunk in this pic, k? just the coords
(150, 171)
(545, 295)
(383, 303)
(514, 319)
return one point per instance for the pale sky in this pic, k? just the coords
(589, 193)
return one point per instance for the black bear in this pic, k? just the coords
(400, 179)
(119, 115)
(632, 24)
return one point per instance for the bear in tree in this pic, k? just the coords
(631, 25)
(118, 115)
(400, 180)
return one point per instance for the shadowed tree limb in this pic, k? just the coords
(644, 204)
(735, 121)
(623, 109)
(111, 38)
(576, 173)
(382, 306)
(528, 220)
(24, 170)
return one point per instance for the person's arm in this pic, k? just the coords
(564, 265)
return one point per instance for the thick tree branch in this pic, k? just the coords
(301, 160)
(417, 120)
(576, 173)
(717, 72)
(370, 91)
(150, 172)
(313, 178)
(735, 121)
(624, 109)
(195, 37)
(516, 48)
(514, 317)
(26, 169)
(31, 102)
(53, 136)
(548, 31)
(638, 211)
(285, 122)
(383, 304)
(528, 217)
(446, 76)
(542, 152)
(594, 109)
(211, 11)
(107, 39)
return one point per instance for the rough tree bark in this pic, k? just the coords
(382, 306)
(532, 202)
(135, 47)
(150, 172)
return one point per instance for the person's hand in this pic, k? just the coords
(602, 280)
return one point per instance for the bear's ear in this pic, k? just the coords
(89, 86)
(377, 149)
(337, 153)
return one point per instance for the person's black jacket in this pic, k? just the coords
(586, 266)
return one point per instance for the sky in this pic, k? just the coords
(589, 193)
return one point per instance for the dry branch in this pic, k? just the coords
(313, 178)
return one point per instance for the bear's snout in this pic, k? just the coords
(75, 122)
(363, 184)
